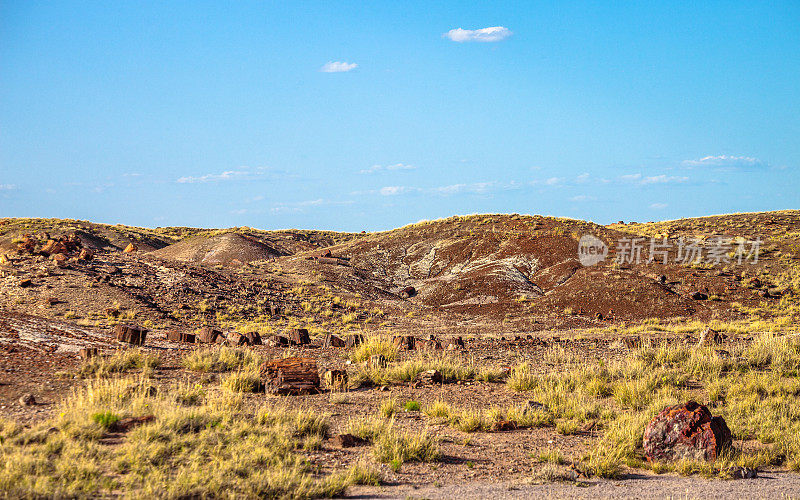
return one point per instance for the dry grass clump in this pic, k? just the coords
(451, 369)
(222, 359)
(211, 448)
(377, 344)
(120, 362)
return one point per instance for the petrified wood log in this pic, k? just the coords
(208, 335)
(404, 342)
(299, 336)
(176, 336)
(335, 380)
(131, 334)
(290, 376)
(332, 340)
(354, 340)
(686, 431)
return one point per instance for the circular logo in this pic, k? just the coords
(591, 250)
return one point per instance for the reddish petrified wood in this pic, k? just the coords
(130, 334)
(208, 335)
(290, 376)
(686, 431)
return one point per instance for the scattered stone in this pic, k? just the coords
(408, 292)
(741, 472)
(112, 311)
(348, 441)
(429, 377)
(335, 380)
(662, 279)
(599, 316)
(51, 301)
(332, 340)
(60, 259)
(299, 336)
(290, 376)
(109, 269)
(686, 432)
(699, 296)
(177, 336)
(27, 400)
(4, 260)
(130, 248)
(503, 425)
(532, 405)
(25, 283)
(130, 334)
(208, 335)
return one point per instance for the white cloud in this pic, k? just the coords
(491, 34)
(663, 179)
(583, 178)
(659, 206)
(553, 181)
(395, 190)
(630, 177)
(300, 206)
(7, 187)
(338, 67)
(477, 187)
(725, 161)
(381, 168)
(582, 197)
(229, 175)
(653, 179)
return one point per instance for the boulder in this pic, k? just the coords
(699, 296)
(130, 334)
(408, 292)
(25, 283)
(130, 248)
(685, 432)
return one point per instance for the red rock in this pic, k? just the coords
(408, 292)
(333, 341)
(291, 376)
(86, 254)
(348, 441)
(404, 342)
(25, 283)
(504, 425)
(177, 336)
(299, 336)
(130, 248)
(686, 431)
(208, 335)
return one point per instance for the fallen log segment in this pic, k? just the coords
(290, 376)
(130, 334)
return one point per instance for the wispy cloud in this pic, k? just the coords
(725, 161)
(300, 206)
(338, 67)
(658, 206)
(448, 190)
(8, 187)
(395, 190)
(381, 168)
(582, 197)
(652, 179)
(243, 173)
(491, 34)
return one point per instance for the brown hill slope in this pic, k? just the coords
(513, 265)
(218, 249)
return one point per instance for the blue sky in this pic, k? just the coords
(367, 116)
